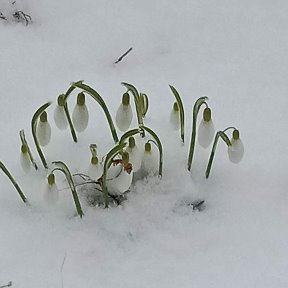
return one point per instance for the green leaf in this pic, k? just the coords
(13, 181)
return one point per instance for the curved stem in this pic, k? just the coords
(226, 140)
(24, 142)
(137, 102)
(107, 163)
(196, 108)
(98, 99)
(64, 169)
(159, 146)
(228, 128)
(33, 126)
(13, 181)
(181, 110)
(129, 134)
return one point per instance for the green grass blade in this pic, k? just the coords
(181, 110)
(13, 181)
(101, 102)
(160, 148)
(24, 142)
(196, 108)
(63, 168)
(33, 127)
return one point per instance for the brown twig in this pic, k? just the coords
(8, 285)
(122, 56)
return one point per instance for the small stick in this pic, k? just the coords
(122, 56)
(8, 285)
(61, 270)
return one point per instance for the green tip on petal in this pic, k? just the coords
(147, 147)
(131, 142)
(60, 100)
(51, 179)
(24, 148)
(94, 160)
(126, 99)
(43, 116)
(125, 157)
(175, 106)
(207, 114)
(81, 99)
(236, 135)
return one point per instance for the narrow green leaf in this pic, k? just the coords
(13, 181)
(33, 127)
(181, 110)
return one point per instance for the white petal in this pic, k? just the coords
(119, 180)
(124, 117)
(25, 162)
(95, 171)
(206, 132)
(236, 151)
(43, 133)
(60, 118)
(135, 158)
(149, 162)
(51, 194)
(80, 117)
(175, 119)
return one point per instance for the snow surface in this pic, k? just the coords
(235, 52)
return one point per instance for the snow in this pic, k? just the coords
(235, 52)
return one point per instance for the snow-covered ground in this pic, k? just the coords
(235, 52)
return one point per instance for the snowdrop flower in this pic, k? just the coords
(59, 114)
(95, 169)
(206, 129)
(24, 158)
(135, 157)
(43, 130)
(124, 113)
(236, 150)
(51, 193)
(120, 175)
(149, 161)
(175, 117)
(80, 114)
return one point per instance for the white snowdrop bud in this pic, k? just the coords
(135, 155)
(206, 130)
(80, 115)
(59, 114)
(95, 169)
(43, 130)
(149, 161)
(120, 176)
(236, 150)
(175, 117)
(24, 158)
(124, 114)
(51, 193)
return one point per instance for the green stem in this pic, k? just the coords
(24, 142)
(33, 126)
(137, 102)
(129, 134)
(107, 163)
(98, 99)
(226, 140)
(196, 108)
(64, 169)
(160, 148)
(8, 174)
(181, 110)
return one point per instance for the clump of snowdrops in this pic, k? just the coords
(112, 174)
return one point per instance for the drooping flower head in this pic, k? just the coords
(59, 114)
(175, 117)
(80, 116)
(124, 113)
(236, 150)
(43, 130)
(206, 129)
